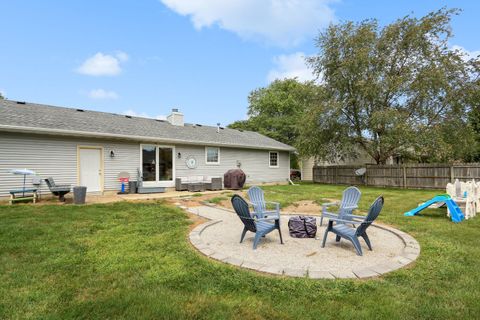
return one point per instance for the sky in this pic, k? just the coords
(204, 57)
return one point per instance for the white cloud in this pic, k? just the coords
(282, 22)
(133, 113)
(290, 66)
(102, 94)
(467, 55)
(103, 64)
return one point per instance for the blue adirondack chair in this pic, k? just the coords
(342, 230)
(257, 199)
(259, 226)
(350, 198)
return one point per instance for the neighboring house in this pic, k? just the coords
(307, 164)
(82, 147)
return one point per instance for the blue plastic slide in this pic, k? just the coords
(455, 213)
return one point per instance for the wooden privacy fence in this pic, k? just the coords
(421, 176)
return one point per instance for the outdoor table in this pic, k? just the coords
(23, 194)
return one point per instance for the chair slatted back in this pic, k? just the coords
(373, 214)
(257, 198)
(50, 182)
(241, 208)
(458, 189)
(350, 197)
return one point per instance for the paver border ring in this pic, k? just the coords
(409, 254)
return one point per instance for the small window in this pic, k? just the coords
(273, 157)
(212, 155)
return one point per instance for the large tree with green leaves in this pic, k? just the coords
(394, 90)
(276, 110)
(474, 118)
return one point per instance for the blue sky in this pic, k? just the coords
(144, 57)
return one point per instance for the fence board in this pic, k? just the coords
(418, 176)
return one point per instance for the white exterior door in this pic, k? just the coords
(90, 169)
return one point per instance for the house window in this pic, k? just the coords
(212, 155)
(273, 158)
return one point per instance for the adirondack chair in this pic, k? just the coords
(476, 195)
(259, 226)
(257, 199)
(342, 230)
(57, 190)
(464, 194)
(350, 198)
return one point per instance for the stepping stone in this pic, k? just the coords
(320, 274)
(365, 273)
(295, 272)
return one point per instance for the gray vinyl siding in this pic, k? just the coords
(57, 157)
(255, 164)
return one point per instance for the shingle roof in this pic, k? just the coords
(32, 117)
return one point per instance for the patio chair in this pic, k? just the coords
(257, 199)
(259, 226)
(352, 234)
(350, 198)
(57, 190)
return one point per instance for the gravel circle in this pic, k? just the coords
(219, 239)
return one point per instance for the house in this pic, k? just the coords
(307, 164)
(83, 147)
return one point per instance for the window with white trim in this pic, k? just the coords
(212, 155)
(273, 159)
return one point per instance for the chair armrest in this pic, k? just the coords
(268, 219)
(277, 204)
(329, 204)
(331, 214)
(350, 207)
(355, 216)
(345, 221)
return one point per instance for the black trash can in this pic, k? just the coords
(79, 194)
(132, 186)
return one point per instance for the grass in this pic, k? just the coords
(217, 200)
(133, 261)
(197, 195)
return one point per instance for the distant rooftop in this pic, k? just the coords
(18, 116)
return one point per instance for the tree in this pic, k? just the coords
(474, 118)
(397, 90)
(276, 110)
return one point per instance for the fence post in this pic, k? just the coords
(366, 175)
(452, 174)
(404, 177)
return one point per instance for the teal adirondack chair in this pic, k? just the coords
(259, 226)
(342, 230)
(257, 199)
(350, 198)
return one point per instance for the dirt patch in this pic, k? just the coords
(304, 206)
(220, 199)
(196, 221)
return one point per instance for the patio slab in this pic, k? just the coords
(219, 238)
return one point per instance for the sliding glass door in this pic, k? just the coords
(157, 163)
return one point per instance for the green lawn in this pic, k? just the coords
(133, 261)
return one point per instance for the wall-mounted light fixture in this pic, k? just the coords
(239, 164)
(112, 154)
(179, 155)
